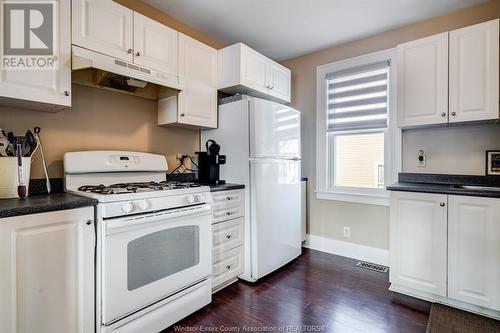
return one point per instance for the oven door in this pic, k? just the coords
(146, 258)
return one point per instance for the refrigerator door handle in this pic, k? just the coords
(276, 158)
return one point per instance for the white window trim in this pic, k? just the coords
(392, 149)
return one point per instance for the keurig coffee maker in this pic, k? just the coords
(209, 164)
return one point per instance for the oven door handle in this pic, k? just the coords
(138, 222)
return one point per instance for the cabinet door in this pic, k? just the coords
(418, 232)
(423, 81)
(47, 272)
(254, 70)
(51, 87)
(103, 26)
(155, 45)
(474, 250)
(474, 72)
(279, 81)
(198, 75)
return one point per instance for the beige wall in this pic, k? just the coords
(369, 224)
(456, 150)
(100, 119)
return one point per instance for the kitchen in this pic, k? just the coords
(195, 101)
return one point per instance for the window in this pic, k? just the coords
(357, 140)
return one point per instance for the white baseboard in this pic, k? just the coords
(346, 249)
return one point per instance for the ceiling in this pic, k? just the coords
(284, 29)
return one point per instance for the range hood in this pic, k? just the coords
(98, 70)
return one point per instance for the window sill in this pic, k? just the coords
(379, 200)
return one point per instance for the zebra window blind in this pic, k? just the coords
(358, 98)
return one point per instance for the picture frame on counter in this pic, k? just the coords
(492, 163)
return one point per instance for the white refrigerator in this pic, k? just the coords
(261, 140)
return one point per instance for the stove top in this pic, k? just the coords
(124, 188)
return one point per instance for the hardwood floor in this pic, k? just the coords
(318, 292)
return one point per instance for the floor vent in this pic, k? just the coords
(373, 267)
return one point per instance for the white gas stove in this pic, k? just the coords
(153, 260)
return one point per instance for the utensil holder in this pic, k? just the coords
(9, 178)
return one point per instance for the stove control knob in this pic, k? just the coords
(190, 199)
(198, 197)
(143, 205)
(127, 207)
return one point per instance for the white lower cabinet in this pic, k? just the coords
(227, 266)
(474, 250)
(418, 241)
(228, 238)
(446, 248)
(47, 272)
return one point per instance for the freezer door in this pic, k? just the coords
(275, 214)
(274, 130)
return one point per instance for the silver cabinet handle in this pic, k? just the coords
(453, 114)
(228, 236)
(89, 222)
(229, 213)
(443, 114)
(130, 51)
(66, 93)
(138, 53)
(228, 198)
(442, 204)
(182, 114)
(228, 267)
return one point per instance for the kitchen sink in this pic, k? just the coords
(477, 188)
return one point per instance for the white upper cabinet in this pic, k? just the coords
(104, 26)
(463, 62)
(474, 251)
(47, 89)
(423, 81)
(279, 82)
(114, 30)
(196, 104)
(155, 45)
(418, 233)
(254, 70)
(474, 72)
(244, 70)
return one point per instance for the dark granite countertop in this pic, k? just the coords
(43, 203)
(225, 187)
(446, 184)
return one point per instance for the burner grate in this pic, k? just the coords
(136, 187)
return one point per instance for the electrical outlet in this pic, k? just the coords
(347, 232)
(421, 159)
(179, 156)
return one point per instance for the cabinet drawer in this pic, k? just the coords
(228, 197)
(227, 205)
(228, 235)
(227, 266)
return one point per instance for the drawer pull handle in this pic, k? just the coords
(228, 267)
(442, 204)
(229, 213)
(228, 236)
(229, 198)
